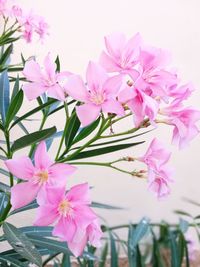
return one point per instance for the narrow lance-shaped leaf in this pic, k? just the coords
(114, 254)
(22, 244)
(6, 55)
(86, 131)
(32, 138)
(14, 107)
(4, 95)
(72, 129)
(101, 151)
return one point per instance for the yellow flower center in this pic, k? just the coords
(64, 207)
(97, 98)
(43, 176)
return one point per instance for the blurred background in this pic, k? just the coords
(77, 29)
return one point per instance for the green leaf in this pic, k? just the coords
(113, 251)
(183, 225)
(181, 212)
(4, 172)
(156, 257)
(140, 231)
(14, 107)
(104, 206)
(66, 261)
(32, 205)
(4, 95)
(101, 151)
(32, 138)
(6, 261)
(86, 131)
(3, 201)
(21, 244)
(174, 250)
(6, 55)
(57, 61)
(15, 88)
(4, 188)
(104, 253)
(33, 111)
(131, 248)
(72, 129)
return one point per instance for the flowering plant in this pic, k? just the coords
(131, 79)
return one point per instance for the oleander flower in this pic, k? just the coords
(159, 173)
(76, 223)
(139, 103)
(122, 55)
(159, 179)
(38, 177)
(43, 80)
(156, 154)
(184, 120)
(99, 94)
(154, 77)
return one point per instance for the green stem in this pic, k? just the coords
(64, 132)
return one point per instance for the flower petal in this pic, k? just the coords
(88, 113)
(65, 229)
(22, 194)
(21, 168)
(33, 90)
(115, 44)
(79, 193)
(113, 84)
(46, 215)
(41, 157)
(32, 71)
(108, 63)
(50, 67)
(56, 92)
(59, 172)
(76, 88)
(113, 106)
(96, 76)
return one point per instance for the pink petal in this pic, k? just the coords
(79, 193)
(83, 215)
(96, 76)
(113, 106)
(57, 92)
(65, 229)
(33, 90)
(132, 49)
(59, 172)
(46, 215)
(50, 67)
(21, 168)
(22, 194)
(126, 94)
(94, 234)
(88, 113)
(115, 44)
(76, 88)
(32, 71)
(112, 85)
(108, 63)
(77, 248)
(41, 157)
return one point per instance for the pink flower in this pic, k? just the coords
(76, 223)
(41, 27)
(99, 94)
(184, 122)
(37, 177)
(159, 179)
(139, 103)
(3, 7)
(122, 55)
(181, 93)
(156, 154)
(154, 79)
(43, 80)
(159, 173)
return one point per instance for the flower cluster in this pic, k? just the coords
(45, 181)
(27, 23)
(129, 77)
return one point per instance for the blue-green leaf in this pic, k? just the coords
(4, 95)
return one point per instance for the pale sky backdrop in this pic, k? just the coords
(76, 34)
